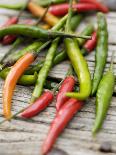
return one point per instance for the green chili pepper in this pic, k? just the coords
(47, 2)
(79, 64)
(44, 70)
(24, 80)
(35, 32)
(101, 51)
(103, 98)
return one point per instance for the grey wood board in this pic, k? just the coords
(25, 137)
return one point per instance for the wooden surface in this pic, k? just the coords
(22, 137)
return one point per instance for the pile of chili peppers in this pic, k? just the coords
(17, 67)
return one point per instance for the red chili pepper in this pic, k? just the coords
(62, 118)
(99, 5)
(40, 104)
(62, 9)
(91, 44)
(67, 86)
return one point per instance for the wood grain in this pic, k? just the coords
(25, 137)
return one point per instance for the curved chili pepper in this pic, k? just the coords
(36, 32)
(62, 9)
(79, 64)
(11, 81)
(81, 69)
(38, 11)
(40, 104)
(90, 44)
(62, 118)
(99, 5)
(103, 98)
(101, 51)
(67, 86)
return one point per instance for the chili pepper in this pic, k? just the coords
(99, 5)
(81, 69)
(103, 97)
(62, 9)
(36, 32)
(79, 64)
(24, 79)
(90, 44)
(62, 118)
(38, 11)
(11, 80)
(14, 20)
(40, 104)
(67, 86)
(44, 70)
(47, 2)
(101, 51)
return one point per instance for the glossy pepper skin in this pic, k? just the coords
(62, 118)
(99, 5)
(81, 69)
(43, 73)
(103, 99)
(62, 9)
(101, 51)
(90, 45)
(11, 80)
(66, 86)
(40, 104)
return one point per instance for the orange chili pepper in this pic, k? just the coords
(17, 70)
(39, 11)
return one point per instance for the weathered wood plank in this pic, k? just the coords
(21, 134)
